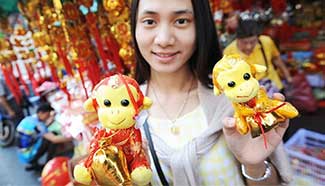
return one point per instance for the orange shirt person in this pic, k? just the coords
(250, 46)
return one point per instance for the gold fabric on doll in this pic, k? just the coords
(110, 167)
(254, 111)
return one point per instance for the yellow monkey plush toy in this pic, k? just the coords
(116, 156)
(254, 111)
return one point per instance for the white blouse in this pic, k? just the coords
(217, 167)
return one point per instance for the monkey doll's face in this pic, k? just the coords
(238, 84)
(115, 108)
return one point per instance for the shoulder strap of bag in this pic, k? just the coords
(161, 175)
(264, 56)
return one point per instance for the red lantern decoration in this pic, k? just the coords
(55, 172)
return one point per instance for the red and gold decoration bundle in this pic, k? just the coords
(7, 55)
(83, 39)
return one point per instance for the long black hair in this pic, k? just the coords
(207, 51)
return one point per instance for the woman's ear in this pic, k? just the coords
(147, 103)
(89, 106)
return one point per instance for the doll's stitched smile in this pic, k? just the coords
(247, 95)
(117, 123)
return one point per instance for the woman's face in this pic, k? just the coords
(247, 44)
(165, 33)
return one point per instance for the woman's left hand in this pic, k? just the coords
(251, 151)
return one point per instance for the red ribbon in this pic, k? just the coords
(258, 116)
(113, 47)
(65, 60)
(91, 21)
(93, 72)
(135, 104)
(54, 74)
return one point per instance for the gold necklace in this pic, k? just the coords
(174, 129)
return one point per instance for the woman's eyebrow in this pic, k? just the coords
(185, 11)
(148, 12)
(177, 12)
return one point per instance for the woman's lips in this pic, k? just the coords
(165, 57)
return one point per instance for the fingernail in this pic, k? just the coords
(231, 120)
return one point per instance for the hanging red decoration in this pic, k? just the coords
(22, 81)
(32, 79)
(64, 59)
(91, 21)
(114, 56)
(55, 77)
(278, 6)
(11, 83)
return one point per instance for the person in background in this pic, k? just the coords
(230, 22)
(8, 104)
(193, 133)
(33, 130)
(259, 49)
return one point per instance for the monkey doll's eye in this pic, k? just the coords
(231, 84)
(125, 102)
(247, 76)
(107, 103)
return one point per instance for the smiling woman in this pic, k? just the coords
(176, 47)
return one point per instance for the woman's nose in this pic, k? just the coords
(164, 36)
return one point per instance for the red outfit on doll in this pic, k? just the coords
(128, 140)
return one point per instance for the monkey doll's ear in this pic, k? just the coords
(259, 68)
(89, 105)
(216, 91)
(147, 103)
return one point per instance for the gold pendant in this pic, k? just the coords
(174, 130)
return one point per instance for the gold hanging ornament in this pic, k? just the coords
(118, 16)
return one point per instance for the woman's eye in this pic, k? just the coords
(182, 21)
(148, 22)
